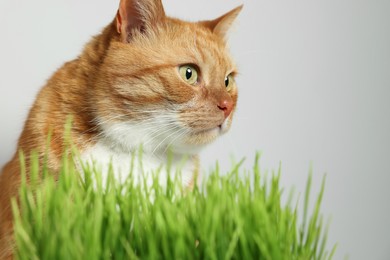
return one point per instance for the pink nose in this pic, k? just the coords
(226, 106)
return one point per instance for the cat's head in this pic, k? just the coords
(165, 82)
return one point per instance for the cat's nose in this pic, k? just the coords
(226, 106)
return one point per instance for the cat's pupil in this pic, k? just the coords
(188, 73)
(227, 81)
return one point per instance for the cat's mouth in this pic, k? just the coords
(216, 130)
(198, 138)
(225, 126)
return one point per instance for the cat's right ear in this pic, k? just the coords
(221, 25)
(141, 15)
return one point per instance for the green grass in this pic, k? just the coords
(238, 215)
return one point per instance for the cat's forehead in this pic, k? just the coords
(201, 46)
(175, 44)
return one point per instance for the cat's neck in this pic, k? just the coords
(143, 166)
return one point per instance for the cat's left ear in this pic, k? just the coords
(138, 15)
(221, 25)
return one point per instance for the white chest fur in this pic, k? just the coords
(141, 166)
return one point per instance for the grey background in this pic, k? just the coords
(314, 89)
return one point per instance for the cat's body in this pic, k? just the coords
(132, 86)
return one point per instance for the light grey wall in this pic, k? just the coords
(314, 87)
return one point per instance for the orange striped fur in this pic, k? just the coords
(126, 90)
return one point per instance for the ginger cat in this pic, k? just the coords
(148, 80)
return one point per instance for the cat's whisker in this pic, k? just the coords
(153, 121)
(164, 112)
(160, 129)
(155, 149)
(155, 124)
(185, 131)
(160, 133)
(151, 127)
(101, 123)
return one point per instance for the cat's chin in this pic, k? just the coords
(194, 142)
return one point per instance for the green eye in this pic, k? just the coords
(189, 74)
(228, 81)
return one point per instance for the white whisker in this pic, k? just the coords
(165, 139)
(177, 137)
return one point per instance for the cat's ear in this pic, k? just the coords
(138, 15)
(221, 25)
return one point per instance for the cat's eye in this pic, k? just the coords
(229, 80)
(189, 74)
